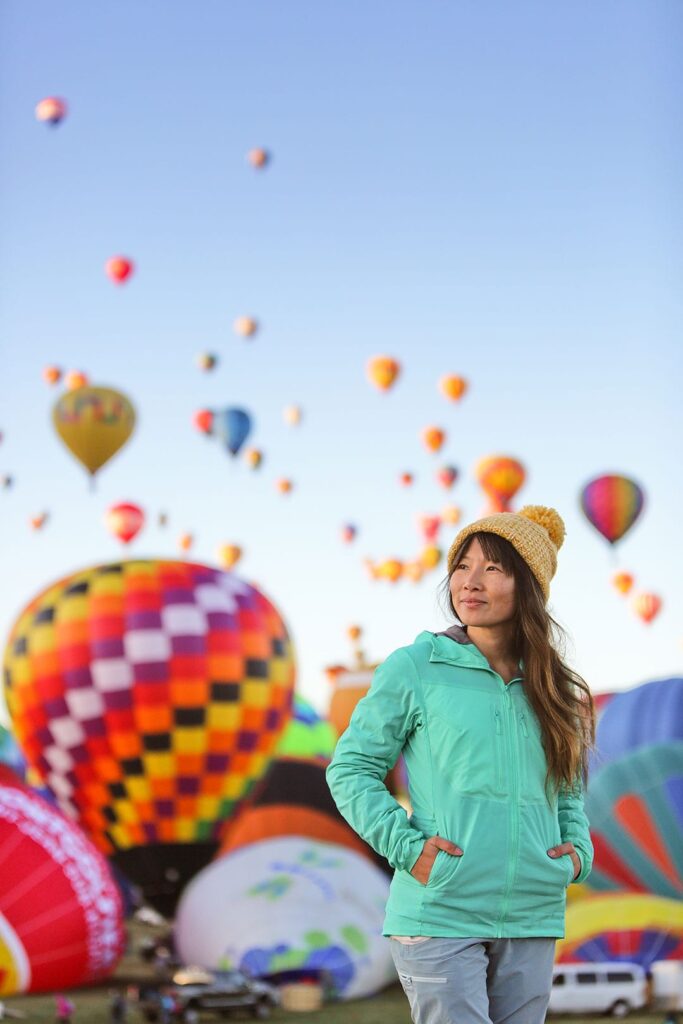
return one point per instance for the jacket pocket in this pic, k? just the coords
(533, 764)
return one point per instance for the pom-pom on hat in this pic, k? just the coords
(536, 533)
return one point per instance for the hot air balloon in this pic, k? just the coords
(258, 158)
(500, 477)
(228, 555)
(291, 904)
(124, 520)
(390, 569)
(431, 556)
(622, 581)
(647, 606)
(284, 485)
(39, 521)
(202, 420)
(451, 515)
(162, 519)
(414, 571)
(305, 736)
(354, 632)
(150, 696)
(447, 476)
(74, 379)
(292, 415)
(118, 269)
(52, 374)
(185, 541)
(348, 532)
(253, 457)
(207, 361)
(611, 504)
(10, 754)
(51, 110)
(406, 479)
(632, 927)
(6, 481)
(453, 387)
(232, 427)
(383, 371)
(61, 919)
(432, 438)
(94, 423)
(646, 715)
(429, 527)
(245, 326)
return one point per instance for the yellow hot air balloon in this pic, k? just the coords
(431, 556)
(391, 569)
(93, 422)
(433, 438)
(228, 555)
(453, 387)
(253, 457)
(382, 371)
(623, 581)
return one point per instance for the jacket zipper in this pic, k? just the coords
(499, 756)
(514, 810)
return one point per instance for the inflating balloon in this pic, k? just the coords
(630, 927)
(207, 361)
(258, 158)
(51, 110)
(202, 420)
(124, 520)
(118, 269)
(447, 476)
(74, 379)
(612, 504)
(232, 427)
(52, 374)
(500, 477)
(383, 371)
(647, 606)
(150, 696)
(94, 423)
(432, 438)
(623, 582)
(228, 555)
(453, 387)
(290, 904)
(61, 919)
(245, 326)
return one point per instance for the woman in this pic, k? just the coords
(495, 730)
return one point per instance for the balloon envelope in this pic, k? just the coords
(94, 423)
(611, 504)
(232, 426)
(622, 926)
(124, 520)
(500, 477)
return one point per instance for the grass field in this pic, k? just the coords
(92, 1004)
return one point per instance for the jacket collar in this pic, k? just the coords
(453, 647)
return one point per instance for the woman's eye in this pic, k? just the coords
(494, 567)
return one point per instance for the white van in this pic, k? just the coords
(614, 987)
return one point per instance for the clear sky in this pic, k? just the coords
(485, 189)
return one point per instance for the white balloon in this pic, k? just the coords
(290, 903)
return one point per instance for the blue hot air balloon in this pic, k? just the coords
(232, 426)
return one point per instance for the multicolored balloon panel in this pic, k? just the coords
(647, 714)
(150, 696)
(611, 504)
(622, 926)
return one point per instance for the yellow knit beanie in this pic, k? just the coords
(536, 532)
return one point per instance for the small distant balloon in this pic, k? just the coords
(74, 379)
(429, 526)
(124, 521)
(52, 374)
(118, 269)
(451, 515)
(406, 479)
(354, 632)
(383, 371)
(207, 361)
(431, 556)
(647, 606)
(414, 571)
(245, 326)
(228, 555)
(453, 387)
(202, 420)
(612, 504)
(253, 457)
(432, 438)
(447, 476)
(500, 477)
(39, 521)
(348, 532)
(390, 569)
(51, 110)
(284, 485)
(258, 158)
(185, 541)
(7, 480)
(162, 519)
(232, 426)
(623, 582)
(292, 415)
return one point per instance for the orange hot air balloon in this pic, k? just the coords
(118, 269)
(185, 541)
(623, 581)
(51, 110)
(451, 515)
(391, 569)
(52, 374)
(354, 632)
(253, 457)
(207, 361)
(283, 485)
(74, 379)
(372, 568)
(202, 420)
(647, 606)
(414, 571)
(432, 438)
(453, 387)
(406, 479)
(124, 521)
(245, 326)
(431, 556)
(258, 158)
(292, 415)
(382, 371)
(228, 555)
(38, 522)
(500, 477)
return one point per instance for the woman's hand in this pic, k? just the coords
(422, 868)
(563, 848)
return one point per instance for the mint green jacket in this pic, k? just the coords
(476, 769)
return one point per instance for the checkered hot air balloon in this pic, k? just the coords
(150, 696)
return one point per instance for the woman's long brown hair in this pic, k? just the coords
(560, 697)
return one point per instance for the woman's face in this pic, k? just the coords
(482, 593)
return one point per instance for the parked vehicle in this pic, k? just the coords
(195, 990)
(614, 987)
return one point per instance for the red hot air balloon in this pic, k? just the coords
(202, 420)
(61, 919)
(611, 504)
(52, 374)
(119, 269)
(647, 606)
(406, 479)
(124, 521)
(51, 110)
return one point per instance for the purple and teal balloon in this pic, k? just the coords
(612, 504)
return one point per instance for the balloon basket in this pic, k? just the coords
(302, 997)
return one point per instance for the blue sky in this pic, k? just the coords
(484, 189)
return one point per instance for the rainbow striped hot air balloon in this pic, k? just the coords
(611, 504)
